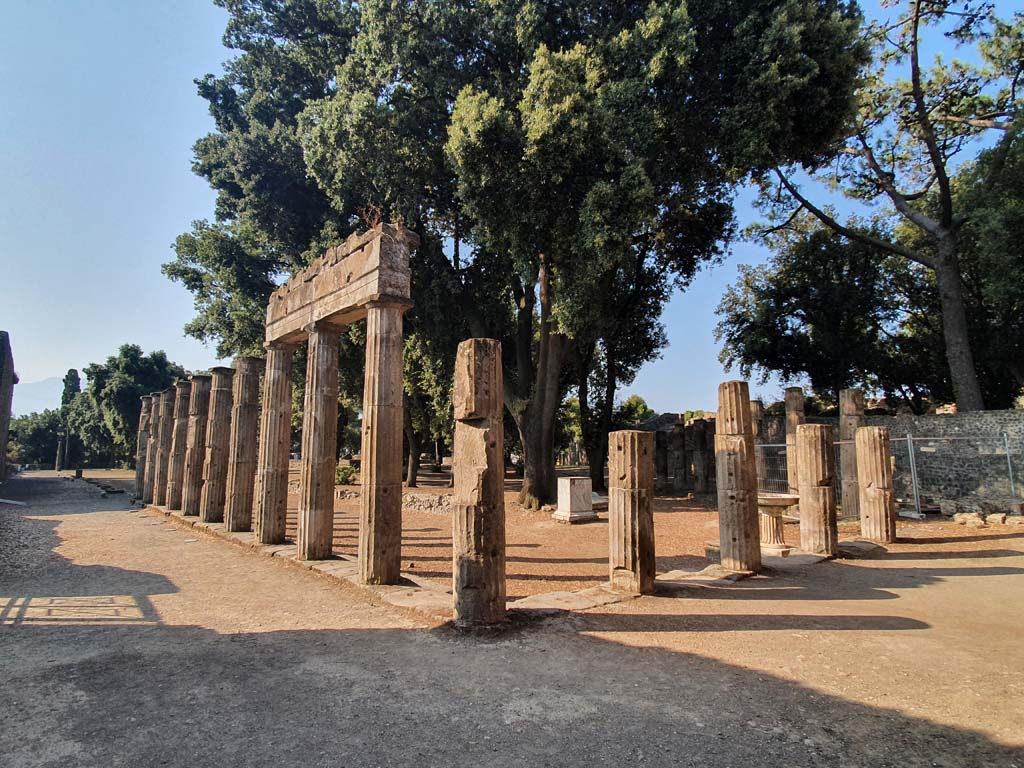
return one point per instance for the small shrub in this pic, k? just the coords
(344, 475)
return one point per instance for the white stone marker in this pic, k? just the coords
(575, 500)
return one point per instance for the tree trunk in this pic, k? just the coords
(415, 448)
(959, 356)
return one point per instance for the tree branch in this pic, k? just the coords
(899, 200)
(976, 122)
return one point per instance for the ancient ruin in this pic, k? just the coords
(874, 472)
(243, 445)
(815, 452)
(630, 511)
(738, 521)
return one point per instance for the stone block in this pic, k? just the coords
(575, 500)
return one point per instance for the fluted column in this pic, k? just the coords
(149, 479)
(795, 405)
(179, 441)
(736, 472)
(275, 445)
(874, 474)
(195, 442)
(851, 416)
(815, 450)
(478, 464)
(699, 457)
(142, 444)
(218, 438)
(630, 511)
(243, 446)
(380, 524)
(163, 447)
(757, 419)
(319, 444)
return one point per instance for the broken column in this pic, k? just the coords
(218, 438)
(141, 445)
(630, 511)
(195, 443)
(243, 445)
(851, 416)
(179, 441)
(320, 444)
(795, 403)
(380, 523)
(163, 447)
(275, 445)
(736, 473)
(757, 419)
(478, 463)
(149, 477)
(699, 456)
(677, 457)
(874, 474)
(815, 452)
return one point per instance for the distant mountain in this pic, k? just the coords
(35, 396)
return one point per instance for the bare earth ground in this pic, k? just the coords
(124, 641)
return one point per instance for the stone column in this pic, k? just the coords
(58, 462)
(141, 445)
(243, 446)
(630, 511)
(275, 445)
(874, 473)
(795, 402)
(815, 452)
(699, 457)
(149, 478)
(660, 461)
(195, 443)
(757, 419)
(736, 473)
(677, 457)
(179, 441)
(218, 438)
(319, 444)
(851, 416)
(380, 523)
(163, 447)
(478, 463)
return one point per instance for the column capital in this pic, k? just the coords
(325, 325)
(248, 361)
(397, 302)
(281, 345)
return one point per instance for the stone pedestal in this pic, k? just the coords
(874, 474)
(630, 511)
(851, 417)
(795, 404)
(770, 508)
(478, 464)
(736, 472)
(575, 500)
(243, 445)
(319, 444)
(218, 439)
(195, 443)
(179, 439)
(163, 447)
(142, 444)
(815, 451)
(149, 478)
(275, 445)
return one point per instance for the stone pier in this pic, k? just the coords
(218, 439)
(815, 450)
(757, 419)
(699, 457)
(142, 444)
(163, 447)
(478, 463)
(195, 443)
(874, 474)
(243, 444)
(736, 472)
(179, 440)
(795, 404)
(851, 417)
(149, 478)
(630, 511)
(677, 457)
(275, 445)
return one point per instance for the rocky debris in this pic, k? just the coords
(859, 548)
(981, 505)
(974, 519)
(998, 518)
(438, 503)
(342, 493)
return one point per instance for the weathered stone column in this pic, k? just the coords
(58, 462)
(677, 457)
(757, 419)
(319, 444)
(275, 445)
(163, 447)
(195, 443)
(874, 473)
(851, 417)
(149, 479)
(478, 463)
(660, 461)
(736, 472)
(795, 403)
(630, 511)
(142, 444)
(243, 446)
(179, 441)
(218, 439)
(699, 457)
(380, 524)
(815, 450)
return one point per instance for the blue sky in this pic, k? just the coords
(98, 120)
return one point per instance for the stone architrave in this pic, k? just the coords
(815, 450)
(478, 464)
(630, 511)
(851, 417)
(736, 473)
(195, 443)
(319, 444)
(142, 444)
(575, 500)
(877, 496)
(163, 447)
(218, 440)
(149, 478)
(243, 444)
(275, 445)
(795, 405)
(179, 441)
(699, 457)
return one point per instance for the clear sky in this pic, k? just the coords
(98, 117)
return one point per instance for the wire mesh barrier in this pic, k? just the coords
(771, 468)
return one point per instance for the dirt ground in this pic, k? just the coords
(126, 641)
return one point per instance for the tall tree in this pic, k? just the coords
(72, 386)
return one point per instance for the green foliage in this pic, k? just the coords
(344, 475)
(72, 386)
(34, 438)
(633, 411)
